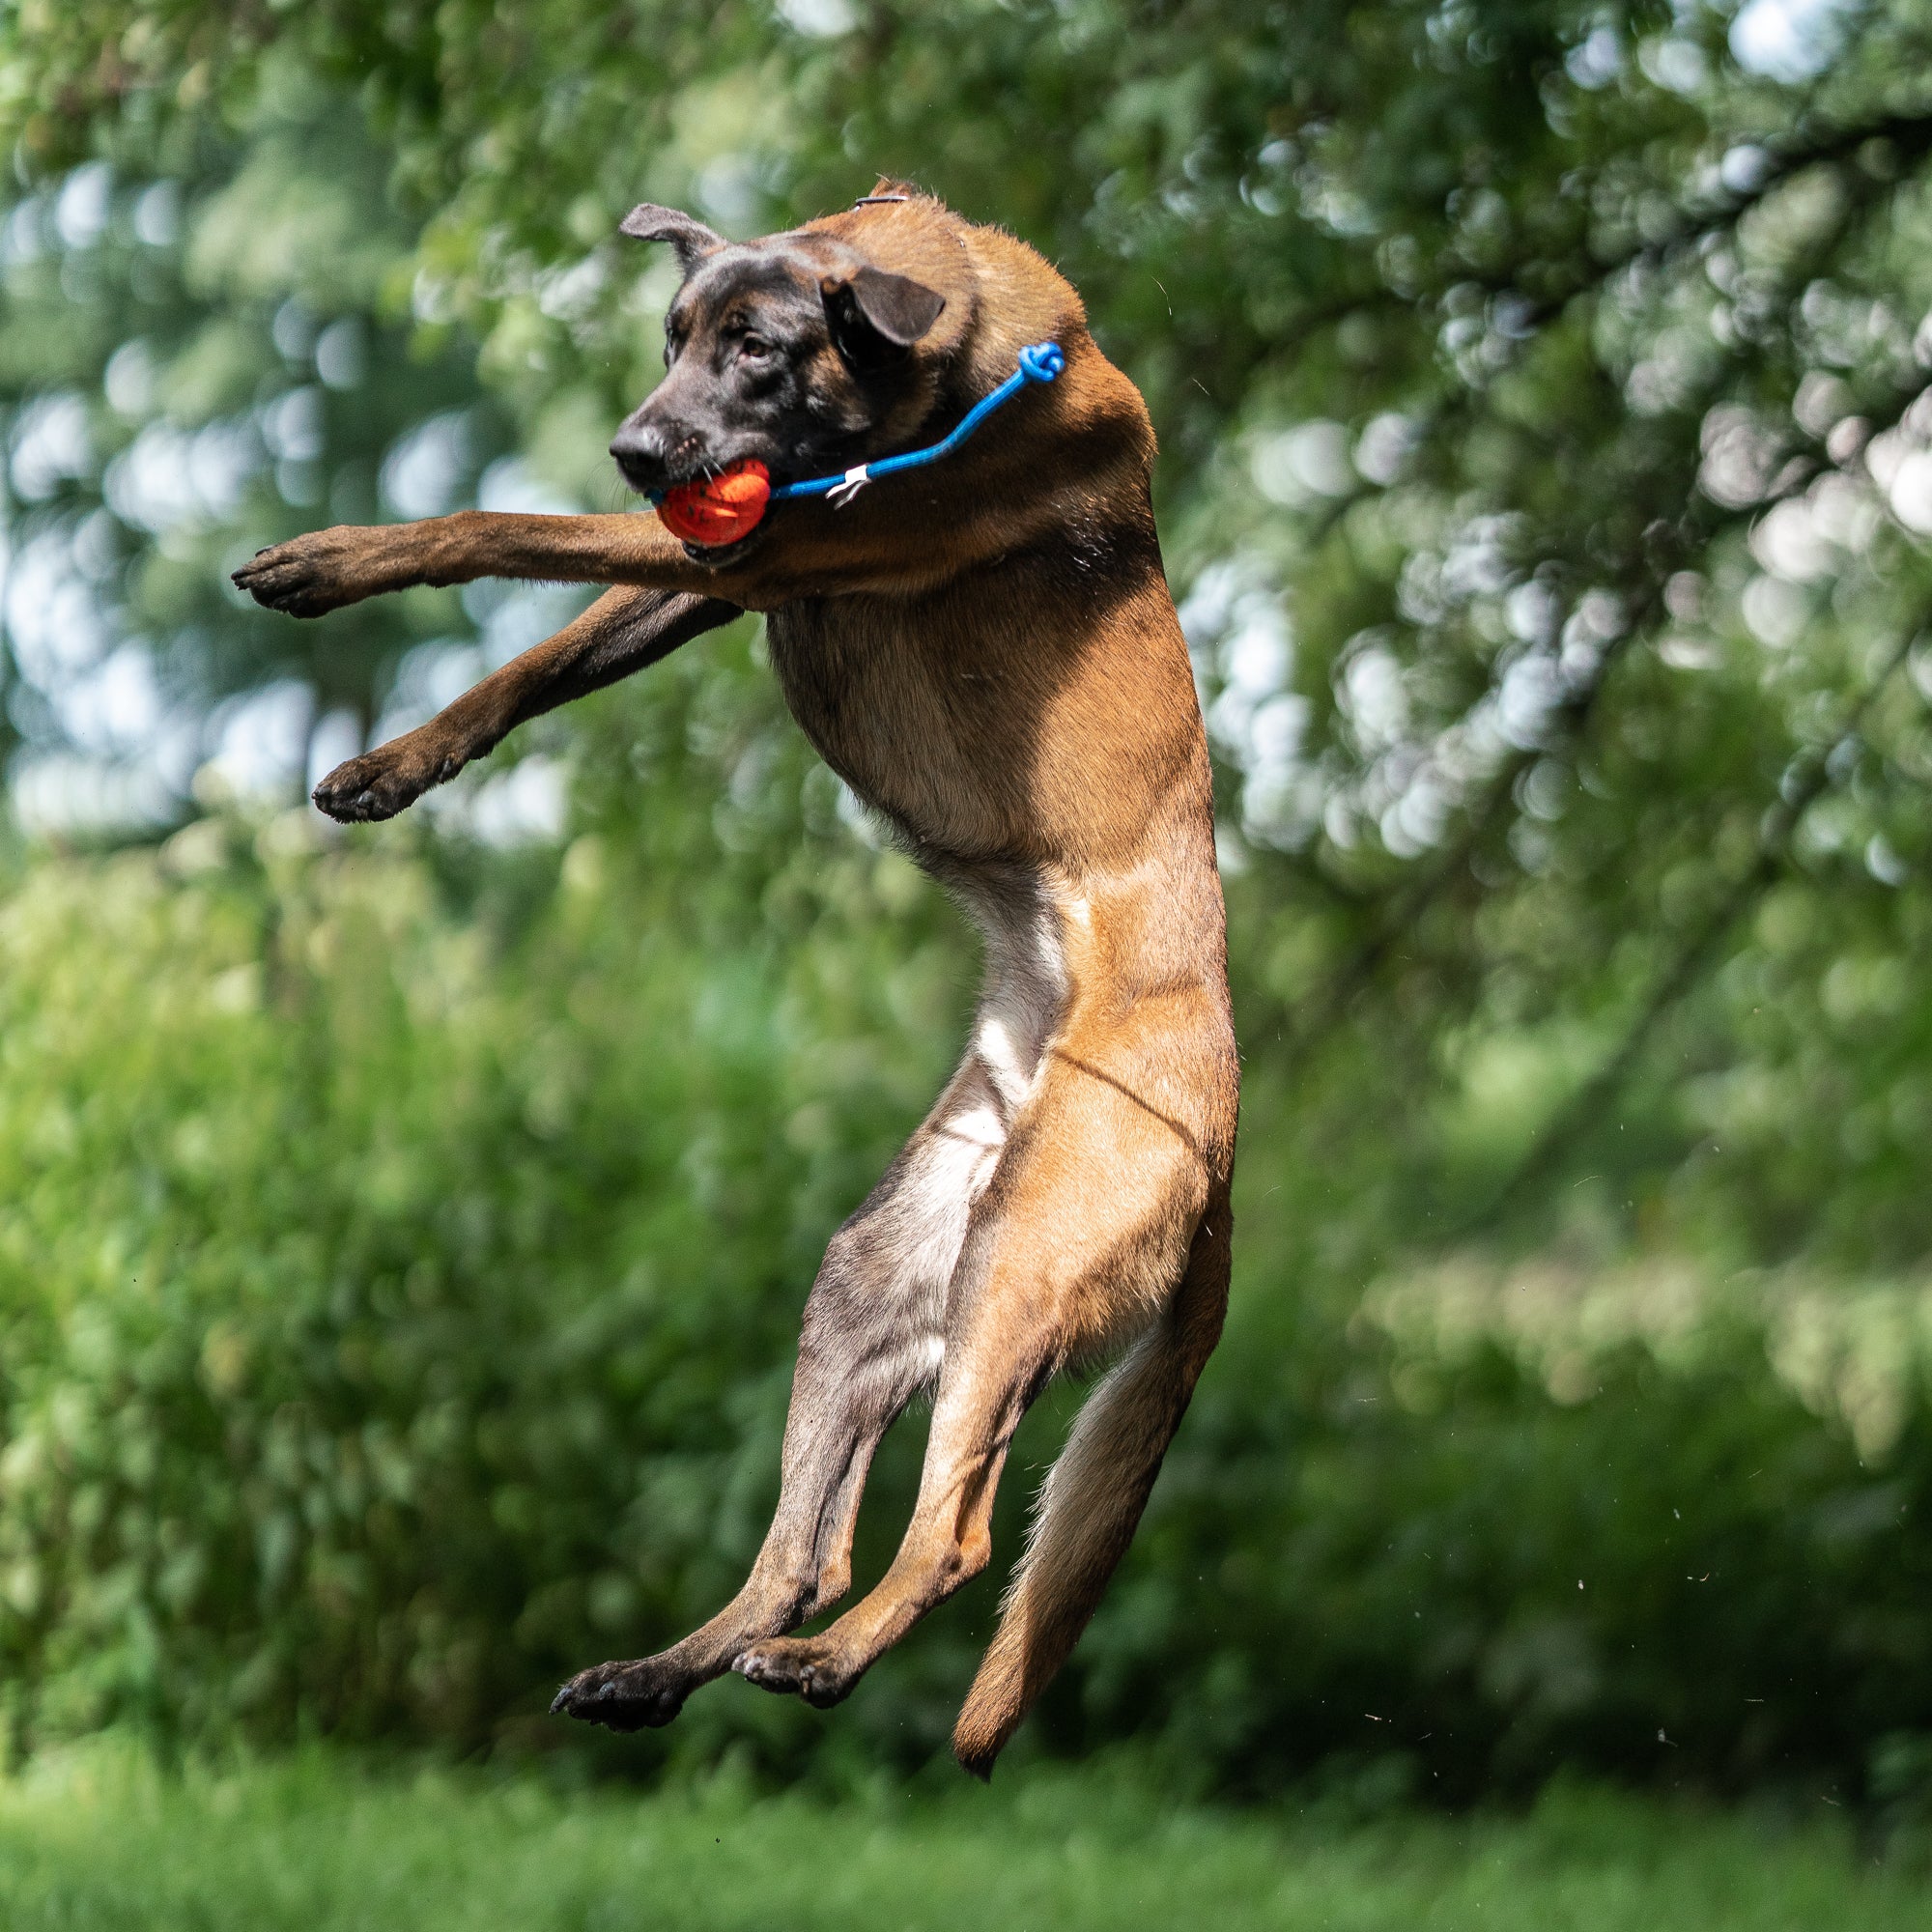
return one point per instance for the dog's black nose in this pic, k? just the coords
(639, 450)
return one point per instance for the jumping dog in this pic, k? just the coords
(986, 652)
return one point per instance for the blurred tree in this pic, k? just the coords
(199, 358)
(1537, 389)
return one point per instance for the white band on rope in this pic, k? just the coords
(852, 483)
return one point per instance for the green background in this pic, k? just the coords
(403, 1234)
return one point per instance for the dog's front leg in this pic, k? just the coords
(312, 575)
(621, 633)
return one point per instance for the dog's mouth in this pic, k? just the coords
(723, 552)
(656, 477)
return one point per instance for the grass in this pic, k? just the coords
(99, 1840)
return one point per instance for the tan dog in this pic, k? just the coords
(986, 652)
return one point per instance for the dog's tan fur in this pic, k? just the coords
(986, 650)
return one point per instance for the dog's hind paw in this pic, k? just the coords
(631, 1696)
(802, 1665)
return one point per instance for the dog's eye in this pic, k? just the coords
(754, 346)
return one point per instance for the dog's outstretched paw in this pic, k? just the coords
(633, 1696)
(382, 782)
(803, 1667)
(308, 576)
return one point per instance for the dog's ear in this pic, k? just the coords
(876, 318)
(689, 236)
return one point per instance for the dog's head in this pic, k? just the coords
(796, 350)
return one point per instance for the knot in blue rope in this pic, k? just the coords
(1042, 361)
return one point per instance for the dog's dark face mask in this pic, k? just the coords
(790, 352)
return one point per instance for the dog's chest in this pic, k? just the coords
(917, 714)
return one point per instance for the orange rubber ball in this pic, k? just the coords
(720, 509)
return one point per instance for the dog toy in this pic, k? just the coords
(723, 508)
(719, 509)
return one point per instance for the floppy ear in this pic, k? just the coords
(690, 237)
(876, 318)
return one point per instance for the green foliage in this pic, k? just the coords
(402, 1252)
(384, 1238)
(1545, 464)
(201, 361)
(400, 1239)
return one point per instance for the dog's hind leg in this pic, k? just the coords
(1082, 1241)
(1091, 1501)
(872, 1338)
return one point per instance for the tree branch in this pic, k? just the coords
(1796, 798)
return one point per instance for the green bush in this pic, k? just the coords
(400, 1285)
(401, 1254)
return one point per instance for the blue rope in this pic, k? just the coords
(1040, 362)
